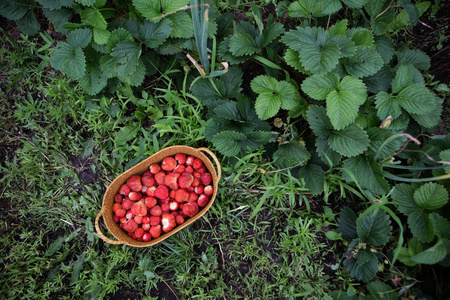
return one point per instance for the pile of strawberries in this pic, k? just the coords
(163, 197)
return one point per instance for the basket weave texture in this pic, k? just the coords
(139, 169)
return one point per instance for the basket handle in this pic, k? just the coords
(101, 235)
(214, 157)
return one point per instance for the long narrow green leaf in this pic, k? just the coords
(403, 179)
(400, 238)
(204, 38)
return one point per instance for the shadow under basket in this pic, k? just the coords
(139, 169)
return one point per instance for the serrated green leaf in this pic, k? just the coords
(107, 66)
(403, 78)
(50, 4)
(305, 9)
(380, 81)
(55, 246)
(362, 37)
(71, 61)
(363, 273)
(403, 195)
(292, 58)
(350, 141)
(228, 110)
(368, 172)
(101, 36)
(374, 228)
(326, 154)
(342, 108)
(346, 46)
(93, 17)
(28, 24)
(355, 3)
(382, 23)
(301, 37)
(270, 31)
(364, 256)
(126, 55)
(445, 156)
(416, 99)
(441, 225)
(255, 139)
(347, 224)
(79, 37)
(94, 80)
(431, 118)
(356, 87)
(182, 26)
(117, 36)
(291, 154)
(319, 121)
(385, 47)
(14, 10)
(417, 58)
(432, 255)
(381, 291)
(273, 95)
(314, 178)
(319, 86)
(411, 10)
(154, 34)
(387, 106)
(421, 226)
(136, 77)
(58, 17)
(244, 40)
(364, 63)
(431, 196)
(154, 10)
(228, 142)
(86, 2)
(378, 146)
(320, 59)
(331, 6)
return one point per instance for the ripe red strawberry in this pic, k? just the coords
(174, 205)
(199, 189)
(181, 195)
(138, 219)
(139, 233)
(154, 220)
(154, 168)
(189, 160)
(146, 237)
(201, 170)
(165, 207)
(118, 198)
(130, 226)
(185, 180)
(148, 180)
(120, 212)
(156, 211)
(171, 180)
(179, 219)
(168, 164)
(190, 209)
(116, 218)
(151, 191)
(192, 196)
(150, 202)
(159, 177)
(124, 190)
(146, 226)
(139, 209)
(146, 220)
(180, 158)
(189, 170)
(179, 169)
(155, 231)
(196, 174)
(129, 215)
(197, 164)
(162, 192)
(134, 182)
(134, 196)
(203, 200)
(126, 204)
(168, 222)
(196, 182)
(116, 206)
(208, 190)
(206, 179)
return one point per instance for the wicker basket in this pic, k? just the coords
(108, 198)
